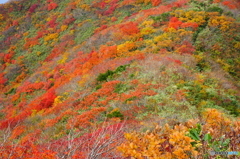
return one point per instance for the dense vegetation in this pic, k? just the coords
(119, 78)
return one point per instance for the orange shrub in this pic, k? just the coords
(52, 6)
(130, 28)
(156, 2)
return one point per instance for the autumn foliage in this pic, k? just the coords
(119, 79)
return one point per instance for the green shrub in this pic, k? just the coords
(202, 65)
(162, 17)
(104, 76)
(98, 87)
(131, 99)
(11, 91)
(121, 68)
(215, 9)
(221, 144)
(200, 93)
(115, 114)
(120, 88)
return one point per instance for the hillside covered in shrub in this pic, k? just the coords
(119, 79)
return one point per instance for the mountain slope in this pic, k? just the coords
(79, 77)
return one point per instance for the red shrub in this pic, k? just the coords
(229, 4)
(130, 28)
(179, 3)
(185, 48)
(13, 121)
(174, 23)
(100, 29)
(55, 52)
(30, 43)
(193, 25)
(52, 6)
(15, 23)
(30, 87)
(47, 100)
(52, 23)
(7, 57)
(3, 80)
(69, 20)
(155, 2)
(102, 4)
(33, 8)
(111, 9)
(40, 34)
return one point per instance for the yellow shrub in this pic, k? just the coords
(147, 30)
(125, 48)
(237, 45)
(156, 144)
(64, 27)
(85, 7)
(1, 17)
(223, 22)
(64, 58)
(215, 123)
(191, 16)
(51, 37)
(60, 99)
(25, 34)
